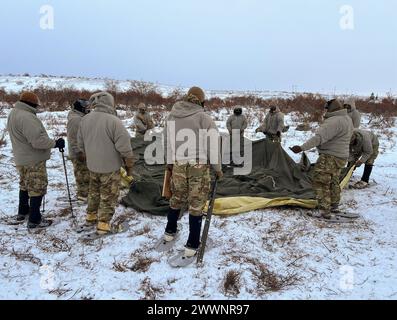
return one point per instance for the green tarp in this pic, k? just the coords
(274, 175)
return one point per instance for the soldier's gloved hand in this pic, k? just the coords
(81, 157)
(296, 149)
(129, 166)
(60, 144)
(278, 134)
(359, 163)
(219, 175)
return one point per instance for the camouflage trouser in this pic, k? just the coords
(82, 176)
(33, 179)
(103, 195)
(326, 180)
(190, 186)
(273, 137)
(374, 155)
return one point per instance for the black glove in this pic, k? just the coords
(278, 134)
(60, 144)
(296, 149)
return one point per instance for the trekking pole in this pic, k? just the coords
(44, 199)
(67, 181)
(204, 237)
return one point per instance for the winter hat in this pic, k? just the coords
(198, 93)
(142, 107)
(103, 98)
(30, 98)
(350, 103)
(334, 105)
(238, 111)
(81, 105)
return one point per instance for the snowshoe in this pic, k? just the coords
(166, 243)
(187, 256)
(66, 199)
(335, 219)
(95, 235)
(184, 258)
(360, 185)
(13, 221)
(344, 214)
(42, 225)
(85, 227)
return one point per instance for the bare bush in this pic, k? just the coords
(150, 291)
(269, 281)
(309, 107)
(232, 283)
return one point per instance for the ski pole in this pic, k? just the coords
(67, 181)
(204, 237)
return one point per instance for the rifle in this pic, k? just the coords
(204, 236)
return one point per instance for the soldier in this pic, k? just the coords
(238, 122)
(142, 122)
(353, 113)
(106, 144)
(190, 170)
(332, 141)
(81, 173)
(274, 125)
(364, 148)
(32, 148)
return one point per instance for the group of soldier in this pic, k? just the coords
(99, 145)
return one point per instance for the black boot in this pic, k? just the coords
(195, 232)
(35, 214)
(172, 225)
(23, 208)
(367, 173)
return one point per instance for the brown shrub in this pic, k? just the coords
(310, 107)
(232, 283)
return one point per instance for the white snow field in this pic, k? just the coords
(274, 253)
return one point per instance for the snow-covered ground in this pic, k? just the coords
(275, 253)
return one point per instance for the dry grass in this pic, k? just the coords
(232, 283)
(150, 292)
(3, 141)
(145, 230)
(23, 256)
(269, 281)
(137, 263)
(53, 244)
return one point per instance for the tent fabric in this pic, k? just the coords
(275, 180)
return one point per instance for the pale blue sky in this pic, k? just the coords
(218, 44)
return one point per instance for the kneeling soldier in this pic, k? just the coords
(364, 149)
